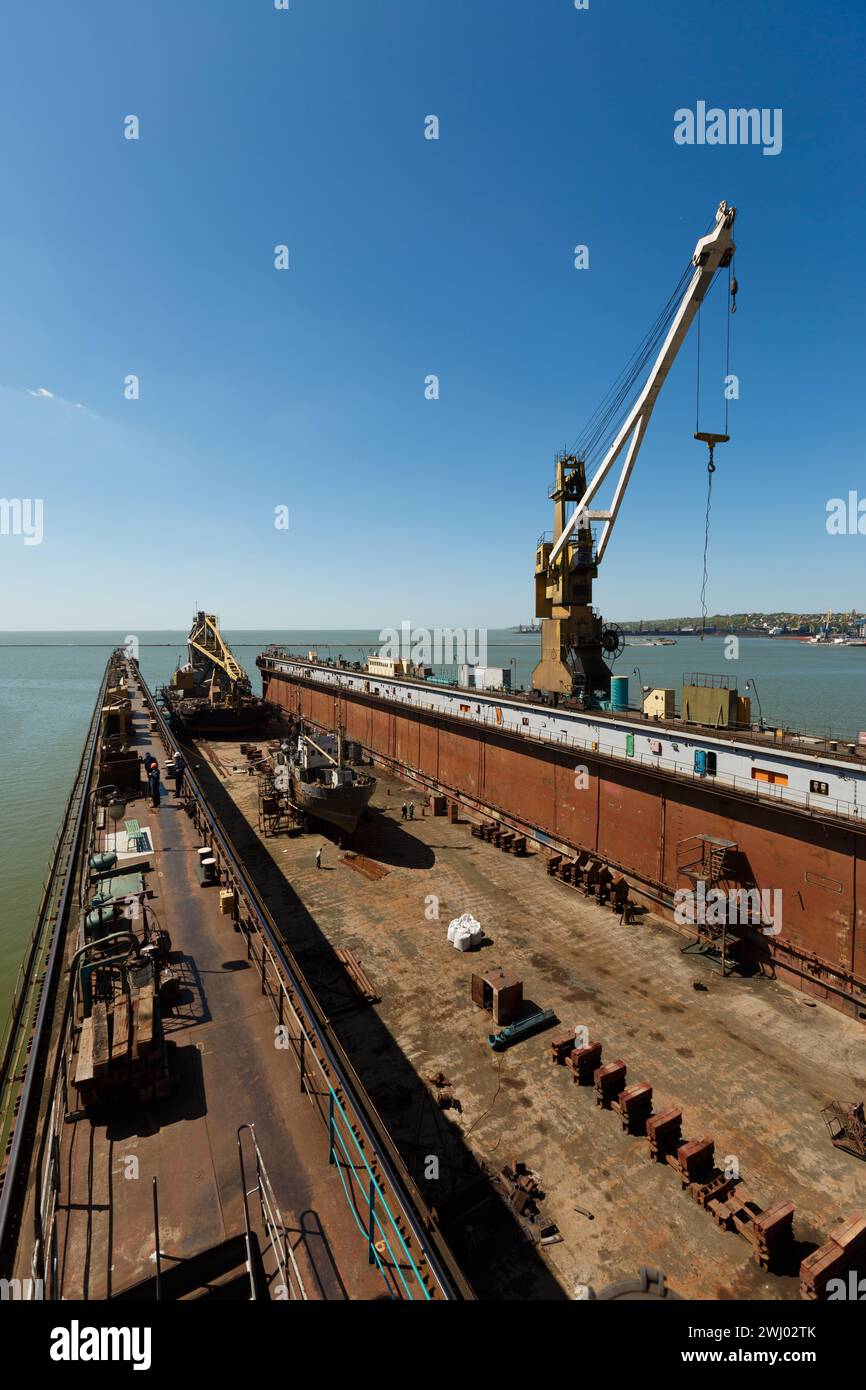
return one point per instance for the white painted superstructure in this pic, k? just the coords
(627, 736)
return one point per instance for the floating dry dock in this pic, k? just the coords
(656, 800)
(748, 1062)
(285, 1085)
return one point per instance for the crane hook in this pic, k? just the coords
(711, 440)
(734, 288)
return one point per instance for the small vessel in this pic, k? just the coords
(323, 784)
(210, 696)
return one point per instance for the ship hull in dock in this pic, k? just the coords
(197, 719)
(341, 806)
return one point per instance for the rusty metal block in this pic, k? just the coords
(772, 1233)
(635, 1106)
(664, 1132)
(560, 1048)
(695, 1161)
(834, 1259)
(609, 1082)
(584, 1062)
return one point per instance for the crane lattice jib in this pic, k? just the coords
(207, 639)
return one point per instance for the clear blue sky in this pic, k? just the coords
(305, 388)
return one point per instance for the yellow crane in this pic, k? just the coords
(206, 639)
(574, 640)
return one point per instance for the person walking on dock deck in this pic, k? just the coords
(179, 770)
(153, 780)
(319, 857)
(403, 811)
(411, 810)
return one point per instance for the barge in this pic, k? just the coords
(210, 695)
(157, 1143)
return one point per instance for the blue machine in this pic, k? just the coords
(524, 1028)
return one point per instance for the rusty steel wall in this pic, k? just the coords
(636, 820)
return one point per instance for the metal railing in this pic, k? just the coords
(318, 1074)
(21, 1094)
(369, 1191)
(291, 1285)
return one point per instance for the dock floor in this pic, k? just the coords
(748, 1060)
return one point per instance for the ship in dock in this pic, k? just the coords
(323, 784)
(210, 695)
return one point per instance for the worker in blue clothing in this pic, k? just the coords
(179, 770)
(153, 783)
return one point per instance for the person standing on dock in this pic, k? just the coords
(153, 780)
(411, 810)
(319, 857)
(403, 811)
(179, 770)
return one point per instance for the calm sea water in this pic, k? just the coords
(48, 683)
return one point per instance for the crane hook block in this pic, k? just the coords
(711, 440)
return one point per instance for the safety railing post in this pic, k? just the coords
(157, 1251)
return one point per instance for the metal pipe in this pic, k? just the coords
(157, 1251)
(247, 1227)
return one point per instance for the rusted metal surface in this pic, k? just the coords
(90, 1239)
(838, 1258)
(361, 981)
(634, 985)
(367, 867)
(633, 820)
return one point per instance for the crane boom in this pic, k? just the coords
(711, 252)
(573, 640)
(206, 638)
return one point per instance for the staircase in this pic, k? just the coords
(705, 858)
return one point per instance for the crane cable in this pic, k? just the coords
(711, 467)
(599, 431)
